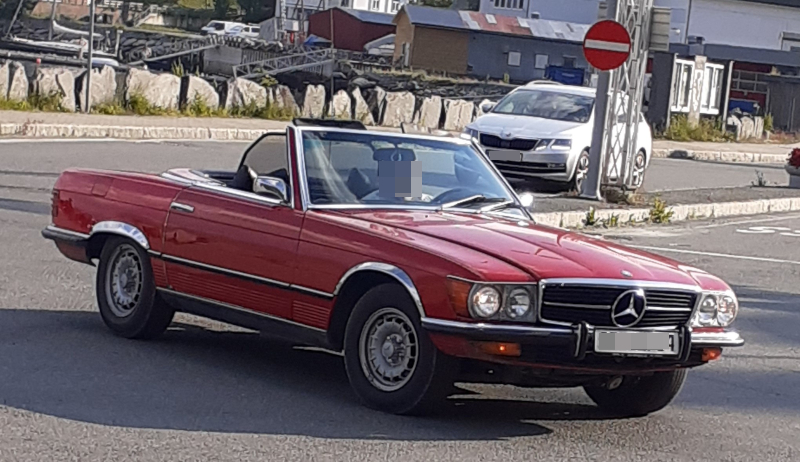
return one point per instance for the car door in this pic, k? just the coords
(229, 245)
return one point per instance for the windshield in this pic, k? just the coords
(345, 168)
(547, 105)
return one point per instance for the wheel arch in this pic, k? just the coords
(354, 284)
(103, 230)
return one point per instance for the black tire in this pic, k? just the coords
(429, 381)
(145, 315)
(575, 182)
(639, 396)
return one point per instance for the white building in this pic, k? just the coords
(769, 24)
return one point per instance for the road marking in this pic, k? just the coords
(714, 254)
(763, 230)
(747, 222)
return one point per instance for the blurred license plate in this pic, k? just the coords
(505, 155)
(647, 343)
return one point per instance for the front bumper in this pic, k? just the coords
(571, 347)
(555, 166)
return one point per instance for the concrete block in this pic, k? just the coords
(314, 102)
(430, 113)
(159, 90)
(458, 114)
(56, 81)
(245, 93)
(341, 106)
(104, 87)
(362, 111)
(198, 89)
(399, 109)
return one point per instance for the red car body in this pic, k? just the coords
(299, 270)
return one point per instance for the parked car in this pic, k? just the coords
(544, 130)
(244, 31)
(409, 254)
(219, 27)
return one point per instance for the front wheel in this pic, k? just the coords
(126, 293)
(639, 396)
(391, 362)
(581, 172)
(638, 169)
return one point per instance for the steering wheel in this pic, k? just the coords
(452, 195)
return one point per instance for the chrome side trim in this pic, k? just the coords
(122, 229)
(667, 309)
(487, 328)
(66, 232)
(253, 197)
(401, 276)
(245, 276)
(728, 339)
(238, 308)
(229, 272)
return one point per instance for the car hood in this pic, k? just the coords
(516, 126)
(541, 251)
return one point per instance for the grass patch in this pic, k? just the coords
(10, 105)
(109, 109)
(46, 103)
(659, 212)
(270, 112)
(706, 130)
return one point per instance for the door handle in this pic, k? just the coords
(181, 207)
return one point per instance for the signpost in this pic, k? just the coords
(617, 46)
(88, 79)
(607, 45)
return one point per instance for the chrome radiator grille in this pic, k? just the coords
(594, 304)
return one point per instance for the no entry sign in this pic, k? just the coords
(607, 45)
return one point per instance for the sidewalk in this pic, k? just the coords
(724, 152)
(72, 125)
(571, 212)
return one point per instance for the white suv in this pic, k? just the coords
(544, 130)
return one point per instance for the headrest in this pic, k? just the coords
(394, 154)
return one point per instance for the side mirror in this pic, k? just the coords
(272, 187)
(487, 106)
(526, 199)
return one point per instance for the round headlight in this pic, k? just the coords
(726, 310)
(486, 302)
(707, 311)
(519, 302)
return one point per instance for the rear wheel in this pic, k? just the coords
(391, 362)
(126, 293)
(639, 396)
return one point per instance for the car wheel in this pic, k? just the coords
(126, 294)
(391, 362)
(638, 169)
(639, 396)
(581, 171)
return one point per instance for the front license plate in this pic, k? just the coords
(636, 343)
(505, 156)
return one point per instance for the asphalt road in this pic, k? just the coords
(53, 157)
(69, 390)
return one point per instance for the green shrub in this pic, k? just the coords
(270, 112)
(768, 123)
(109, 109)
(10, 105)
(139, 105)
(706, 130)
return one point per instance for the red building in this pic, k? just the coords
(352, 29)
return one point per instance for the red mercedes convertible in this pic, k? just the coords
(409, 254)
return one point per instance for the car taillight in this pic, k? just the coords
(54, 203)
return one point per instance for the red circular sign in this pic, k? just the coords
(607, 45)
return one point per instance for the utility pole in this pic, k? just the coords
(590, 188)
(88, 105)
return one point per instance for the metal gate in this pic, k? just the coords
(626, 92)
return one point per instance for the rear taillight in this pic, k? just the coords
(54, 203)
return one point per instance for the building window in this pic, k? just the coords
(712, 89)
(682, 85)
(510, 4)
(395, 6)
(569, 61)
(375, 5)
(514, 58)
(541, 61)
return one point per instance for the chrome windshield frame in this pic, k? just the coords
(302, 174)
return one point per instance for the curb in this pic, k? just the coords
(721, 156)
(44, 131)
(575, 219)
(127, 132)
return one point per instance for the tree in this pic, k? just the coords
(256, 11)
(221, 8)
(436, 3)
